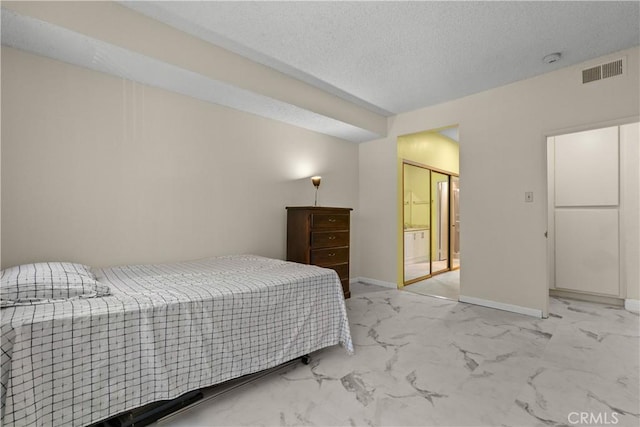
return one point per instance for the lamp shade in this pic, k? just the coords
(315, 180)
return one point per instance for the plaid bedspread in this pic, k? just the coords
(166, 329)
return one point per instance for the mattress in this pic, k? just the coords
(166, 329)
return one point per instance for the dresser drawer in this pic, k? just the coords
(326, 257)
(329, 221)
(320, 236)
(327, 239)
(341, 269)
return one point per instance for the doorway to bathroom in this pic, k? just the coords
(430, 242)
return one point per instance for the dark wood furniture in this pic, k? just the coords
(320, 236)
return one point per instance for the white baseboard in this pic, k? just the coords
(374, 282)
(502, 306)
(632, 305)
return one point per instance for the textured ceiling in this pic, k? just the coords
(395, 57)
(387, 57)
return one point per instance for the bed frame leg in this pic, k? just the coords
(305, 359)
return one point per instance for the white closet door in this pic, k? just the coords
(586, 217)
(587, 168)
(587, 250)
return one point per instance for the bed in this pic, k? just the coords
(155, 332)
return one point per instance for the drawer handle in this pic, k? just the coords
(332, 220)
(332, 254)
(332, 237)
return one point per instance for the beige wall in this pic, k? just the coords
(502, 155)
(105, 171)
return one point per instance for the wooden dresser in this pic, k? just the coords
(320, 236)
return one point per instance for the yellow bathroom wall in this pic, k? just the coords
(428, 148)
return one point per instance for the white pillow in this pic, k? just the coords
(48, 282)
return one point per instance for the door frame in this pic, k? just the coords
(452, 221)
(550, 199)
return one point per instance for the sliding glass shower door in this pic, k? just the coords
(455, 222)
(417, 222)
(431, 222)
(440, 212)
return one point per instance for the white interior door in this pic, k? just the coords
(587, 250)
(584, 217)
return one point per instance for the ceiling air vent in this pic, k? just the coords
(612, 69)
(603, 71)
(592, 74)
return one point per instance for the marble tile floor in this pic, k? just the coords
(432, 362)
(444, 285)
